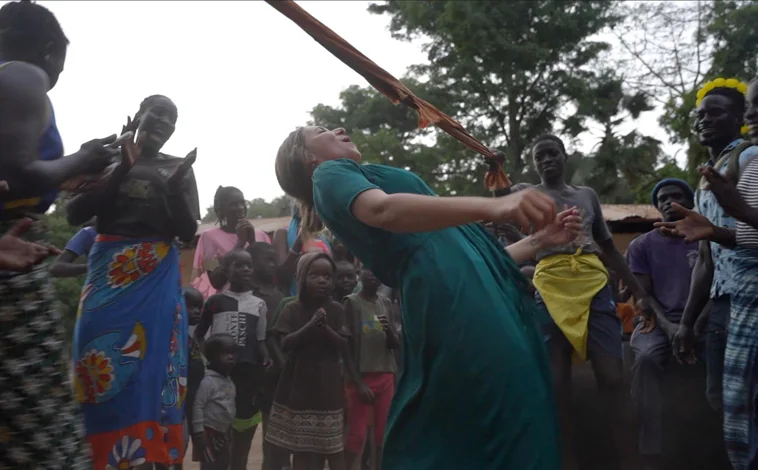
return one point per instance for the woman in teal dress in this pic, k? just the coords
(476, 390)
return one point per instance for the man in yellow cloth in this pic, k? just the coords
(580, 319)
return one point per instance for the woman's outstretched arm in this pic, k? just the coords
(406, 213)
(563, 230)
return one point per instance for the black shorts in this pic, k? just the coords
(248, 381)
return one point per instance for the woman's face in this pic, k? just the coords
(235, 207)
(324, 145)
(158, 122)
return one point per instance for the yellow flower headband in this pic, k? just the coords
(722, 83)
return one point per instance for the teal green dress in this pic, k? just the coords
(476, 391)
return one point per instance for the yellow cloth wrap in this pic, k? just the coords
(241, 425)
(567, 284)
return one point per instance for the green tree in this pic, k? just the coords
(670, 49)
(258, 208)
(620, 162)
(733, 28)
(510, 67)
(389, 135)
(67, 289)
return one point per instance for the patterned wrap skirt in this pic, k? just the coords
(40, 426)
(741, 364)
(130, 353)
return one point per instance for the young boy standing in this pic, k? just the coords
(196, 366)
(373, 340)
(264, 287)
(242, 315)
(214, 408)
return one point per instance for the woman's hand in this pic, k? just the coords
(19, 255)
(131, 148)
(529, 208)
(176, 180)
(727, 195)
(563, 230)
(693, 227)
(95, 162)
(245, 232)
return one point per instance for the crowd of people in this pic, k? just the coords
(387, 327)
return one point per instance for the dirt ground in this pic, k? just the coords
(253, 462)
(692, 430)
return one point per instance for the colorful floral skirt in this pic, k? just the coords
(40, 424)
(130, 353)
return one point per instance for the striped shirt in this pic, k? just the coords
(747, 236)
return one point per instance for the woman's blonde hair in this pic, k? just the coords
(294, 176)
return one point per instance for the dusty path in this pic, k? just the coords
(253, 462)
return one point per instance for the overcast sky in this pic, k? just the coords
(242, 75)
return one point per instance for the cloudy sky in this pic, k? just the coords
(242, 75)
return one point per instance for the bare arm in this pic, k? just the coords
(617, 263)
(182, 219)
(85, 206)
(64, 265)
(23, 118)
(272, 341)
(407, 213)
(286, 258)
(525, 249)
(660, 316)
(206, 319)
(262, 351)
(700, 285)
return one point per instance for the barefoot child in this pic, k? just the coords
(239, 313)
(264, 287)
(369, 317)
(214, 410)
(196, 366)
(307, 414)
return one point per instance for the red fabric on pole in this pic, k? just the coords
(392, 88)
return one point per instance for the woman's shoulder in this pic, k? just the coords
(344, 165)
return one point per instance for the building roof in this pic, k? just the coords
(621, 212)
(267, 225)
(611, 213)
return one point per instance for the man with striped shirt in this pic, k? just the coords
(737, 194)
